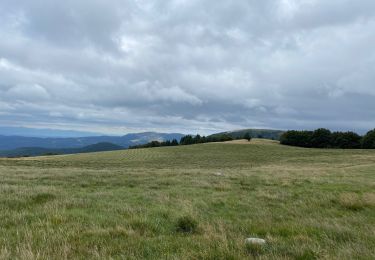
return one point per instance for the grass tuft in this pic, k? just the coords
(355, 202)
(42, 198)
(187, 224)
(255, 250)
(307, 255)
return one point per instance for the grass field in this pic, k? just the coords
(190, 202)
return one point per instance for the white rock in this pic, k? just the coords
(218, 174)
(255, 241)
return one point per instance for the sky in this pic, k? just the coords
(189, 66)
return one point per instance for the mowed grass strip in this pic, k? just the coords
(190, 202)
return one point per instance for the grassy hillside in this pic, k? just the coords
(190, 202)
(254, 133)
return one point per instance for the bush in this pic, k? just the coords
(247, 136)
(187, 224)
(368, 141)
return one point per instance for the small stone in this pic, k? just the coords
(218, 174)
(255, 241)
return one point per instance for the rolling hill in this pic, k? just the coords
(190, 202)
(254, 133)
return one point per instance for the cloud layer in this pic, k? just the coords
(119, 66)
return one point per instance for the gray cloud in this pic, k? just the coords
(190, 66)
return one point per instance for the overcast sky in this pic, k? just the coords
(117, 66)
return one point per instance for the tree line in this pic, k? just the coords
(190, 139)
(151, 144)
(324, 138)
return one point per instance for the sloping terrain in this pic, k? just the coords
(190, 202)
(254, 133)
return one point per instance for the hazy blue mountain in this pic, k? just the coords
(37, 151)
(14, 142)
(35, 132)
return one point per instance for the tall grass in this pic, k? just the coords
(171, 203)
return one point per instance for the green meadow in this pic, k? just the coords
(190, 202)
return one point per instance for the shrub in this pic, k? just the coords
(247, 136)
(187, 224)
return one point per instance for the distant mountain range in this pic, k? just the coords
(37, 151)
(14, 142)
(42, 132)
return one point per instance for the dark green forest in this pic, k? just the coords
(324, 138)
